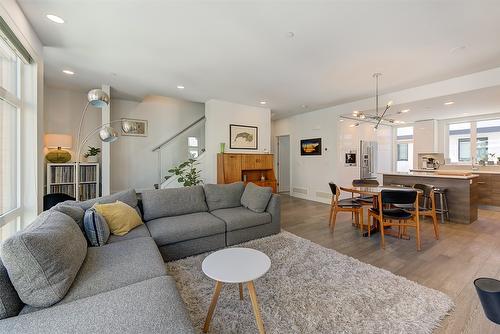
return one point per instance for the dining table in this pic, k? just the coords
(375, 191)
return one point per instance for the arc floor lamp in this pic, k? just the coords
(99, 99)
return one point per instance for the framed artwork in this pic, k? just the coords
(135, 127)
(310, 146)
(243, 137)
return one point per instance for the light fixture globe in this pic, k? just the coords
(108, 134)
(98, 98)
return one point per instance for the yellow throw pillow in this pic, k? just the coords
(121, 218)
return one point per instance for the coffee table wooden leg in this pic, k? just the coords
(255, 306)
(241, 290)
(211, 309)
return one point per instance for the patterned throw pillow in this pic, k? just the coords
(96, 228)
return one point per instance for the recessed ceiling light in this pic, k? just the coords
(68, 72)
(405, 110)
(55, 18)
(263, 102)
(290, 34)
(449, 103)
(180, 87)
(341, 120)
(402, 122)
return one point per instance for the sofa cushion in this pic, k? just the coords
(74, 212)
(256, 198)
(10, 303)
(120, 217)
(150, 306)
(43, 259)
(114, 266)
(240, 218)
(128, 197)
(180, 228)
(222, 196)
(173, 202)
(96, 228)
(138, 232)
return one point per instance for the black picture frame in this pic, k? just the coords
(310, 146)
(243, 140)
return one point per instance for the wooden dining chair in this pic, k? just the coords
(365, 200)
(345, 205)
(427, 207)
(396, 216)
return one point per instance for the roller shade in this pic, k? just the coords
(8, 35)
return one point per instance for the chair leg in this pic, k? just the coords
(441, 206)
(331, 214)
(419, 246)
(382, 239)
(356, 218)
(361, 227)
(369, 226)
(334, 220)
(436, 225)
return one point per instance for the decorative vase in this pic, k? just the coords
(222, 147)
(58, 156)
(93, 158)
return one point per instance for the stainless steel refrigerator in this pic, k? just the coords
(368, 165)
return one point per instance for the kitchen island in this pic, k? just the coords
(461, 194)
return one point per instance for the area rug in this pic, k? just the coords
(312, 289)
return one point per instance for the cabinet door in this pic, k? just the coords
(232, 168)
(256, 161)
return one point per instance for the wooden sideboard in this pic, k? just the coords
(234, 167)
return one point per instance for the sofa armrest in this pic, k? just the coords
(274, 208)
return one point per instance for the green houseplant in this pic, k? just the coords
(187, 173)
(92, 153)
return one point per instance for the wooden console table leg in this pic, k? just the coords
(241, 290)
(255, 306)
(211, 309)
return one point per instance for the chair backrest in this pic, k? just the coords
(365, 183)
(335, 190)
(398, 196)
(50, 200)
(427, 189)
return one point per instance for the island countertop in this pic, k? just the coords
(433, 174)
(462, 192)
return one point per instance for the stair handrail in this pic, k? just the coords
(156, 148)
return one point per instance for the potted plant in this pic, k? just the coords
(187, 173)
(92, 154)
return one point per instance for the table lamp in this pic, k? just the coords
(55, 143)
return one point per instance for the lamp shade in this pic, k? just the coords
(98, 98)
(55, 140)
(108, 134)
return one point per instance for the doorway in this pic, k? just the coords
(283, 164)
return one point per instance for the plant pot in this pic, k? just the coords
(93, 159)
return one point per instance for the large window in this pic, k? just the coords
(10, 107)
(404, 149)
(474, 141)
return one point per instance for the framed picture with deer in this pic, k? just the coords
(243, 137)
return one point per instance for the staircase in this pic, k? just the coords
(185, 144)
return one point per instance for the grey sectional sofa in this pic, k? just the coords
(123, 286)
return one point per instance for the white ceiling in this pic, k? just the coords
(469, 104)
(240, 51)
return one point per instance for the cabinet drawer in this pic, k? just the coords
(256, 161)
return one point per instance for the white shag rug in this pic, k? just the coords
(312, 289)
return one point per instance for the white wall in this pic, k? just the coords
(133, 164)
(310, 174)
(425, 139)
(219, 115)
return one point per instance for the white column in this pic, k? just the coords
(105, 148)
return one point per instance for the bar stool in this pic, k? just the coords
(443, 203)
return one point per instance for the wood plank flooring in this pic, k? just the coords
(463, 253)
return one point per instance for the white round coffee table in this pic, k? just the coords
(236, 265)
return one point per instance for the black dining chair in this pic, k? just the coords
(50, 200)
(396, 216)
(344, 205)
(488, 290)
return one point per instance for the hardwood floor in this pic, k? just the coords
(463, 253)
